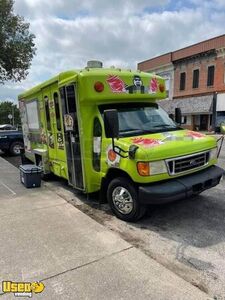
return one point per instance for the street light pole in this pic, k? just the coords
(13, 115)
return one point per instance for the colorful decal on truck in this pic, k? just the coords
(51, 104)
(112, 158)
(195, 135)
(153, 88)
(146, 142)
(68, 122)
(43, 136)
(60, 143)
(117, 85)
(137, 86)
(51, 140)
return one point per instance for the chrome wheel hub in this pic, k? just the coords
(122, 200)
(16, 149)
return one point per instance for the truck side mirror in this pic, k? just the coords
(178, 115)
(111, 123)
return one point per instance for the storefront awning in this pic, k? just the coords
(190, 105)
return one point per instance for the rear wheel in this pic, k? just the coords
(15, 148)
(123, 200)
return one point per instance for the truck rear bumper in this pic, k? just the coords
(181, 187)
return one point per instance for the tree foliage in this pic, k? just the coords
(16, 44)
(9, 108)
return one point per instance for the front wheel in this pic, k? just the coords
(123, 200)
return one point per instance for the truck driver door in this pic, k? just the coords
(72, 137)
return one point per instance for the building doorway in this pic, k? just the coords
(201, 122)
(204, 122)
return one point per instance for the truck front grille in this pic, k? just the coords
(189, 162)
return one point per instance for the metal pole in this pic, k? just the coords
(214, 114)
(13, 115)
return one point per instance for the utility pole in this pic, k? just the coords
(214, 113)
(13, 115)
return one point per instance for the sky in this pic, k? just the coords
(119, 33)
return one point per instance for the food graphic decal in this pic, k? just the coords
(195, 135)
(153, 88)
(112, 158)
(116, 84)
(146, 142)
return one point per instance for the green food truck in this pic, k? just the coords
(102, 130)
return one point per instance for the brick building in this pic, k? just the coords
(195, 82)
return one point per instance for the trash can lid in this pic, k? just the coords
(30, 168)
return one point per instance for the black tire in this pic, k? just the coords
(137, 210)
(44, 176)
(15, 147)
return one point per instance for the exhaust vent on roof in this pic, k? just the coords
(94, 64)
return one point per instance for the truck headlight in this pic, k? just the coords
(157, 167)
(213, 153)
(151, 168)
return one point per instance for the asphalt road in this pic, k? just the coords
(187, 237)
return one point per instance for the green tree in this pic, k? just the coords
(16, 44)
(9, 108)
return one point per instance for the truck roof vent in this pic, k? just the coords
(94, 64)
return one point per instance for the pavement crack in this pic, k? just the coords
(88, 263)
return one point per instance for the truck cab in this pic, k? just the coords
(103, 131)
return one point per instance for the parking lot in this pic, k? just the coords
(187, 237)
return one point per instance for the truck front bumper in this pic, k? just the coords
(180, 187)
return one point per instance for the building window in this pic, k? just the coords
(184, 120)
(182, 81)
(195, 79)
(210, 78)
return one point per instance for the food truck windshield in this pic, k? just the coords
(142, 118)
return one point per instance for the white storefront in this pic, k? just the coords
(220, 109)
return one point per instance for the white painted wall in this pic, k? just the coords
(188, 120)
(220, 102)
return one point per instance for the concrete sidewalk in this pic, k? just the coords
(44, 238)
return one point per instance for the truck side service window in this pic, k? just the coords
(47, 113)
(57, 111)
(97, 141)
(32, 115)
